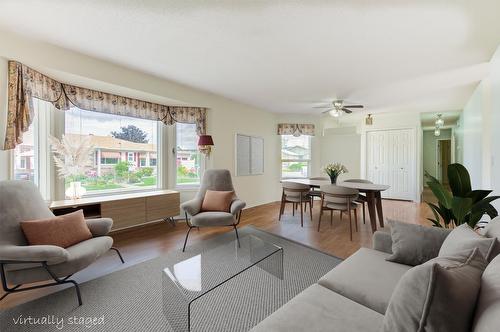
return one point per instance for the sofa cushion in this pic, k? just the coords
(318, 309)
(465, 238)
(439, 295)
(487, 315)
(493, 231)
(366, 277)
(415, 244)
(217, 201)
(62, 231)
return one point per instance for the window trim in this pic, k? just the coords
(308, 161)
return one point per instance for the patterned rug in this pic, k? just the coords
(131, 299)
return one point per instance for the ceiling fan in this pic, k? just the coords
(337, 107)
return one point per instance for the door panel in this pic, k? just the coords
(391, 161)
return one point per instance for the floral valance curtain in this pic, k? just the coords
(26, 83)
(295, 129)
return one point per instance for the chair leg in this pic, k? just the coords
(301, 215)
(356, 219)
(340, 215)
(281, 209)
(237, 237)
(310, 209)
(119, 254)
(320, 215)
(293, 209)
(186, 240)
(363, 207)
(331, 217)
(350, 223)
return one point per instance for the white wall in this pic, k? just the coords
(429, 150)
(225, 117)
(479, 124)
(344, 148)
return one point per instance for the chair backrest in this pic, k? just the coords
(20, 200)
(293, 188)
(336, 194)
(215, 179)
(358, 180)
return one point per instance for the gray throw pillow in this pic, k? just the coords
(439, 295)
(493, 231)
(415, 244)
(463, 238)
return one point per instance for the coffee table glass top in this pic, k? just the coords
(186, 281)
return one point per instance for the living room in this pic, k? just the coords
(248, 165)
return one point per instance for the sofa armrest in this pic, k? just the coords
(192, 207)
(236, 206)
(382, 241)
(99, 226)
(37, 253)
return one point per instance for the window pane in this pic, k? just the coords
(294, 169)
(295, 148)
(188, 159)
(24, 156)
(125, 151)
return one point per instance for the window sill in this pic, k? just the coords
(187, 188)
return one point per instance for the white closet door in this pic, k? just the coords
(391, 160)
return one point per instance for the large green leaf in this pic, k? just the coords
(491, 211)
(444, 196)
(460, 207)
(459, 180)
(435, 211)
(478, 195)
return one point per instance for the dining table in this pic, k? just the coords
(371, 190)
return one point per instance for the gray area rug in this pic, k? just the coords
(131, 299)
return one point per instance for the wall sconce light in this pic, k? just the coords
(369, 120)
(205, 144)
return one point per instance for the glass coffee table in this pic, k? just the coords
(189, 280)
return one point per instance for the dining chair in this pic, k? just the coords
(314, 192)
(337, 198)
(297, 194)
(361, 198)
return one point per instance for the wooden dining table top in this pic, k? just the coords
(365, 187)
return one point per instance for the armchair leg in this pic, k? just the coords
(237, 237)
(57, 281)
(119, 254)
(186, 240)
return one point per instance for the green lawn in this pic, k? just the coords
(185, 180)
(147, 181)
(101, 186)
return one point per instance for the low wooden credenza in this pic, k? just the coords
(126, 210)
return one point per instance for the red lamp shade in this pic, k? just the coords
(205, 140)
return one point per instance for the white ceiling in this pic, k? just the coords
(429, 119)
(284, 56)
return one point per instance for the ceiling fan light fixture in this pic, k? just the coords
(338, 104)
(335, 113)
(439, 121)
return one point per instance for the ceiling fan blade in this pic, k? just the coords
(326, 106)
(354, 106)
(348, 111)
(325, 111)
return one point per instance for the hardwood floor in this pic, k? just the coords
(140, 244)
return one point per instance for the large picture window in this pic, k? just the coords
(125, 151)
(188, 158)
(295, 156)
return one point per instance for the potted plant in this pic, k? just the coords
(72, 157)
(334, 170)
(462, 204)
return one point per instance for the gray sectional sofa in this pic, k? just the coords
(354, 295)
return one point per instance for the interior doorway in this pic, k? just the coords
(443, 159)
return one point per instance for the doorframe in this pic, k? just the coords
(417, 151)
(438, 152)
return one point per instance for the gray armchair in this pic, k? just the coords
(21, 263)
(219, 180)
